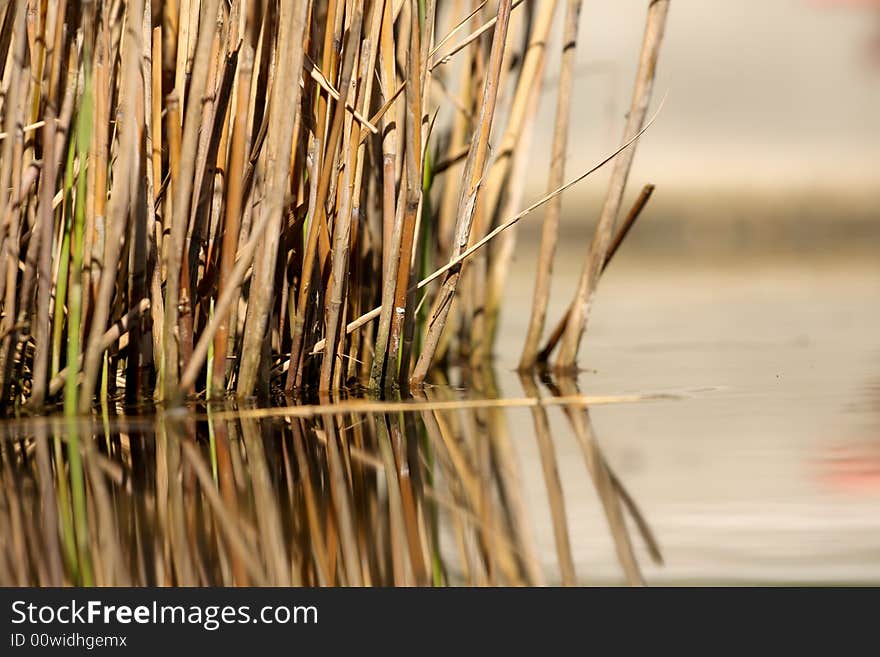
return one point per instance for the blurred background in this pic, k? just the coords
(769, 138)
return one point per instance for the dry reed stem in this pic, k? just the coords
(576, 325)
(49, 175)
(122, 192)
(550, 225)
(292, 23)
(473, 177)
(392, 229)
(634, 213)
(313, 254)
(412, 202)
(342, 230)
(182, 192)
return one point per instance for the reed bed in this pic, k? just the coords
(210, 199)
(428, 496)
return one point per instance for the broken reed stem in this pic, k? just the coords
(577, 319)
(634, 213)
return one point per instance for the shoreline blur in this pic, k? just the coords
(729, 222)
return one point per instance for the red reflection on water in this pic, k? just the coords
(851, 469)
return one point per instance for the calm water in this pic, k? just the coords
(768, 469)
(727, 430)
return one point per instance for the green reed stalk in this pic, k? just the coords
(71, 392)
(62, 275)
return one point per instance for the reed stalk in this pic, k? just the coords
(392, 229)
(342, 229)
(182, 191)
(402, 260)
(292, 20)
(550, 225)
(234, 193)
(123, 190)
(472, 178)
(634, 213)
(577, 318)
(314, 252)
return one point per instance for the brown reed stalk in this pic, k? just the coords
(189, 144)
(96, 221)
(318, 223)
(577, 319)
(154, 131)
(402, 259)
(364, 236)
(292, 20)
(10, 173)
(342, 229)
(550, 225)
(234, 191)
(511, 164)
(473, 177)
(622, 232)
(123, 190)
(392, 228)
(45, 213)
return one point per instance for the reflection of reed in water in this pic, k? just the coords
(432, 496)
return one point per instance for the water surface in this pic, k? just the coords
(726, 431)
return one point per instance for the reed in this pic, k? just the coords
(550, 228)
(595, 261)
(207, 198)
